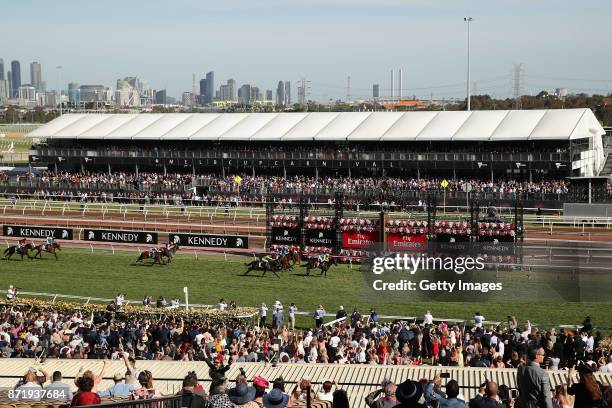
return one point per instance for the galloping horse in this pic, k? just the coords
(257, 265)
(169, 252)
(313, 263)
(290, 259)
(157, 257)
(15, 249)
(50, 248)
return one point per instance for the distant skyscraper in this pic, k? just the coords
(280, 93)
(16, 79)
(36, 76)
(244, 94)
(27, 93)
(376, 91)
(268, 94)
(91, 93)
(73, 93)
(161, 97)
(2, 69)
(287, 93)
(203, 90)
(210, 86)
(4, 91)
(231, 83)
(9, 78)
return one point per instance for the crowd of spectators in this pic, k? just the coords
(26, 331)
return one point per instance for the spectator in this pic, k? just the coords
(319, 314)
(188, 396)
(340, 399)
(275, 399)
(325, 393)
(587, 392)
(452, 399)
(533, 382)
(85, 396)
(491, 398)
(243, 396)
(408, 394)
(292, 310)
(119, 389)
(260, 384)
(388, 398)
(263, 312)
(57, 389)
(218, 397)
(146, 390)
(29, 388)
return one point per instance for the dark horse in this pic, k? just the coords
(169, 252)
(290, 259)
(272, 266)
(14, 249)
(50, 248)
(157, 257)
(314, 264)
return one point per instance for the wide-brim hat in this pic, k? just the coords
(275, 399)
(241, 394)
(409, 391)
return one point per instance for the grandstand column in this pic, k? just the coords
(108, 168)
(165, 172)
(136, 170)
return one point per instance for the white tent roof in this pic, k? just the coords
(558, 124)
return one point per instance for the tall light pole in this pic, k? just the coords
(468, 20)
(59, 79)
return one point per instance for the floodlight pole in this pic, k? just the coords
(468, 20)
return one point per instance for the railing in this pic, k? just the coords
(300, 155)
(174, 401)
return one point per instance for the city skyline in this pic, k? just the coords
(361, 39)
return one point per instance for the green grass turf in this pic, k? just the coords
(102, 274)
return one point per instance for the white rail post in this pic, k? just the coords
(91, 248)
(186, 292)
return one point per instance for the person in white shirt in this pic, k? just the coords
(292, 309)
(11, 293)
(590, 344)
(325, 393)
(608, 367)
(525, 334)
(263, 313)
(221, 305)
(277, 315)
(428, 318)
(478, 319)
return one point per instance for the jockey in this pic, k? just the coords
(152, 252)
(326, 257)
(321, 258)
(22, 243)
(282, 251)
(50, 242)
(264, 260)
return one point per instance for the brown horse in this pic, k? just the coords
(157, 257)
(14, 249)
(50, 248)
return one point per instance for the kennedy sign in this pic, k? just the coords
(136, 237)
(319, 237)
(285, 236)
(27, 231)
(208, 240)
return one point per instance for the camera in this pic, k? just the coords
(514, 393)
(445, 375)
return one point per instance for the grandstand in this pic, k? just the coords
(529, 145)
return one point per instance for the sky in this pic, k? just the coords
(560, 43)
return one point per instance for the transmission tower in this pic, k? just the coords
(517, 84)
(348, 89)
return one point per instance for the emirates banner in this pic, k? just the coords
(359, 240)
(320, 237)
(400, 242)
(285, 236)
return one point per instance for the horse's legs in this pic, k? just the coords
(54, 254)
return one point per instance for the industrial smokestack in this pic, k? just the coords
(399, 91)
(392, 84)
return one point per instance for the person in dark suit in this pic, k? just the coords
(533, 382)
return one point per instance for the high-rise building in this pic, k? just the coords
(202, 96)
(16, 78)
(280, 93)
(287, 93)
(268, 94)
(36, 76)
(4, 91)
(187, 98)
(161, 97)
(27, 93)
(210, 86)
(91, 93)
(376, 91)
(231, 83)
(244, 94)
(2, 69)
(224, 93)
(73, 94)
(9, 78)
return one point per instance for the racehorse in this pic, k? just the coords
(14, 249)
(157, 257)
(169, 253)
(290, 259)
(313, 263)
(273, 266)
(50, 248)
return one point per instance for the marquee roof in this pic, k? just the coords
(510, 125)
